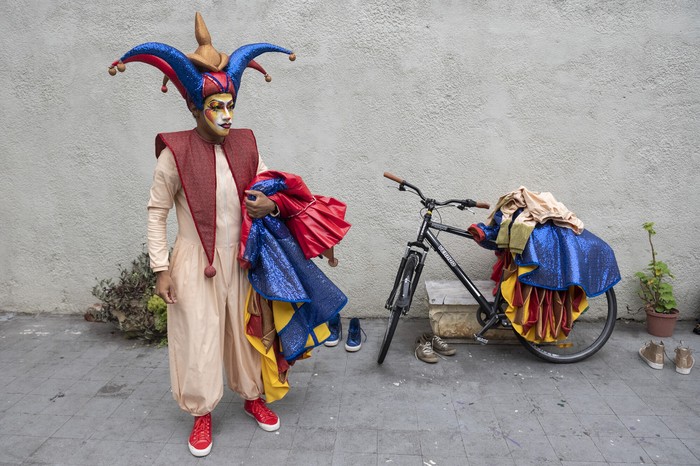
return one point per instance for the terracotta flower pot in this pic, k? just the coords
(661, 325)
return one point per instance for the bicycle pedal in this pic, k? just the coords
(481, 340)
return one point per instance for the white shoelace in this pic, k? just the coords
(427, 349)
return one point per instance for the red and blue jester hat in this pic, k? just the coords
(204, 72)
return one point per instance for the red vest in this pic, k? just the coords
(196, 164)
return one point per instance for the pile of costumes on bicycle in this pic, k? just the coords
(549, 262)
(233, 214)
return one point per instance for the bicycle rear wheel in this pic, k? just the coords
(402, 295)
(588, 334)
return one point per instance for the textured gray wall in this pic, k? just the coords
(596, 102)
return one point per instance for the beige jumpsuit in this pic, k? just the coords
(206, 331)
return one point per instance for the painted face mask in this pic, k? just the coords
(217, 114)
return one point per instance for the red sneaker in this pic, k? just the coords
(200, 438)
(267, 420)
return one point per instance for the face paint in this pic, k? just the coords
(217, 114)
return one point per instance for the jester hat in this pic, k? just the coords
(204, 72)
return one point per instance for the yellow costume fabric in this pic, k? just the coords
(532, 315)
(275, 383)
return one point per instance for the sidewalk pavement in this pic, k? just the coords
(74, 392)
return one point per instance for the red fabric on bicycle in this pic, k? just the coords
(477, 233)
(532, 311)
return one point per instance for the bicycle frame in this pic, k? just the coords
(425, 234)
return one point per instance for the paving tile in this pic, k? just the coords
(574, 385)
(172, 454)
(100, 406)
(438, 414)
(434, 460)
(631, 404)
(397, 459)
(353, 459)
(8, 400)
(560, 424)
(255, 456)
(588, 404)
(534, 448)
(23, 385)
(57, 451)
(32, 425)
(118, 453)
(135, 408)
(153, 430)
(693, 444)
(357, 440)
(666, 405)
(503, 461)
(603, 425)
(579, 448)
(550, 404)
(485, 446)
(16, 449)
(621, 450)
(668, 451)
(683, 427)
(309, 458)
(614, 387)
(646, 426)
(442, 443)
(314, 439)
(115, 428)
(399, 442)
(520, 423)
(281, 439)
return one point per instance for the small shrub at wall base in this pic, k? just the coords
(129, 302)
(657, 293)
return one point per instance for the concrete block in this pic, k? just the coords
(452, 310)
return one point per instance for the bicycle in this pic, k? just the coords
(591, 330)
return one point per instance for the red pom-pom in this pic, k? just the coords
(163, 88)
(210, 271)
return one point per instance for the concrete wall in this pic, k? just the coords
(596, 102)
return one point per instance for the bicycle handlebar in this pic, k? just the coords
(466, 202)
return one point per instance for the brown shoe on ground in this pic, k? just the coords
(424, 351)
(439, 345)
(684, 360)
(653, 354)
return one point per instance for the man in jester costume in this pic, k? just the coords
(227, 203)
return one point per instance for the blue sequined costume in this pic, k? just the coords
(280, 272)
(562, 258)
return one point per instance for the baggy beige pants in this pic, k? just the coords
(206, 330)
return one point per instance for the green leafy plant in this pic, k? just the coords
(655, 290)
(129, 302)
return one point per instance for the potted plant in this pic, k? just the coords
(657, 293)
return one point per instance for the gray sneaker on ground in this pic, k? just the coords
(424, 351)
(439, 345)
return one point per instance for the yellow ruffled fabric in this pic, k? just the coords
(276, 389)
(516, 315)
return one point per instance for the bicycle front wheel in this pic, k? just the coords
(588, 334)
(402, 295)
